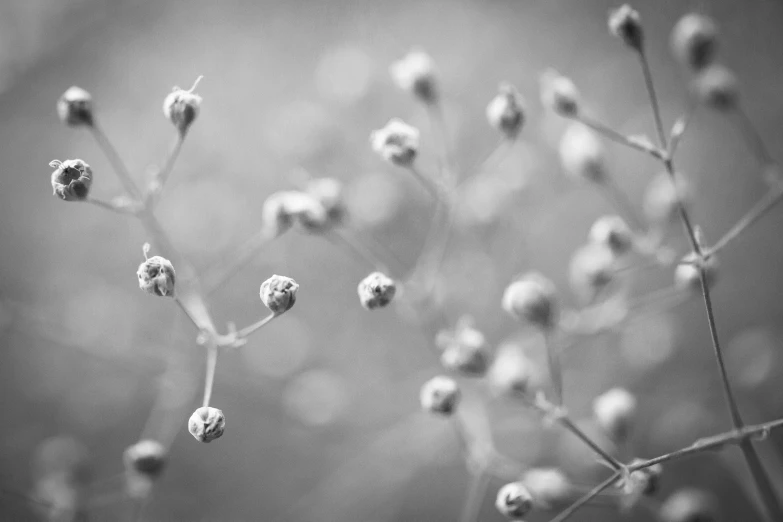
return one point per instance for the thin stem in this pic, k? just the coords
(619, 199)
(362, 252)
(555, 369)
(617, 137)
(108, 205)
(573, 508)
(568, 424)
(116, 162)
(477, 491)
(163, 176)
(764, 205)
(679, 128)
(496, 157)
(244, 332)
(656, 110)
(212, 353)
(219, 273)
(753, 138)
(187, 313)
(428, 185)
(761, 479)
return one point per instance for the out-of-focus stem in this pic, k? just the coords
(219, 273)
(163, 176)
(116, 162)
(555, 368)
(573, 508)
(765, 204)
(617, 137)
(656, 110)
(474, 499)
(358, 249)
(212, 353)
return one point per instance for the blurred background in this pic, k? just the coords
(322, 405)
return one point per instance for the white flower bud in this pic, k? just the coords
(75, 107)
(559, 94)
(506, 111)
(147, 457)
(511, 372)
(514, 500)
(626, 24)
(687, 274)
(592, 269)
(548, 486)
(278, 293)
(645, 481)
(661, 198)
(207, 424)
(397, 142)
(71, 180)
(690, 505)
(182, 107)
(376, 291)
(613, 233)
(694, 41)
(716, 86)
(464, 349)
(328, 192)
(615, 412)
(156, 275)
(582, 154)
(415, 73)
(532, 298)
(440, 395)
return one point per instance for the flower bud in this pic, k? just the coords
(694, 41)
(464, 349)
(71, 180)
(514, 500)
(559, 94)
(75, 107)
(156, 275)
(687, 274)
(644, 481)
(548, 486)
(532, 298)
(506, 111)
(511, 372)
(397, 142)
(182, 107)
(278, 293)
(690, 505)
(582, 154)
(662, 197)
(329, 193)
(716, 87)
(440, 395)
(615, 412)
(376, 291)
(282, 208)
(613, 233)
(591, 270)
(146, 457)
(626, 24)
(207, 424)
(415, 73)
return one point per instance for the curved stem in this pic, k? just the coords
(116, 162)
(244, 332)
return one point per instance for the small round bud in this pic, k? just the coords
(548, 486)
(687, 274)
(626, 24)
(662, 198)
(559, 94)
(690, 505)
(278, 293)
(644, 481)
(376, 291)
(582, 154)
(75, 107)
(397, 142)
(156, 275)
(464, 348)
(591, 270)
(506, 111)
(282, 209)
(415, 73)
(182, 107)
(716, 86)
(511, 372)
(514, 500)
(207, 424)
(71, 179)
(613, 233)
(694, 41)
(329, 193)
(532, 298)
(440, 395)
(615, 412)
(146, 457)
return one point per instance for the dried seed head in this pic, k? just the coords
(690, 505)
(716, 86)
(75, 107)
(506, 111)
(559, 94)
(328, 192)
(464, 348)
(415, 73)
(591, 270)
(440, 395)
(182, 107)
(613, 233)
(532, 298)
(582, 154)
(694, 41)
(376, 291)
(71, 179)
(146, 457)
(662, 198)
(397, 142)
(615, 412)
(514, 500)
(548, 486)
(644, 481)
(687, 274)
(156, 275)
(626, 24)
(207, 424)
(278, 293)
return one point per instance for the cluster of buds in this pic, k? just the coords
(687, 275)
(376, 290)
(615, 412)
(532, 298)
(397, 142)
(440, 395)
(146, 458)
(464, 349)
(207, 424)
(582, 154)
(506, 111)
(71, 179)
(156, 275)
(182, 107)
(559, 94)
(75, 107)
(278, 293)
(317, 209)
(514, 500)
(415, 73)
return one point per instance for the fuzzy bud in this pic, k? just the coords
(397, 142)
(278, 293)
(613, 233)
(514, 500)
(376, 291)
(532, 298)
(559, 94)
(716, 86)
(328, 192)
(156, 275)
(282, 209)
(440, 395)
(511, 372)
(690, 505)
(71, 180)
(182, 107)
(644, 481)
(506, 111)
(615, 412)
(694, 41)
(591, 270)
(548, 486)
(207, 424)
(582, 154)
(687, 274)
(662, 198)
(146, 457)
(415, 73)
(75, 107)
(626, 24)
(464, 348)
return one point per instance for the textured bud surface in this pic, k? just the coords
(156, 276)
(440, 395)
(615, 411)
(182, 107)
(559, 93)
(278, 293)
(694, 41)
(415, 73)
(532, 298)
(506, 111)
(71, 180)
(147, 457)
(75, 107)
(514, 500)
(376, 291)
(626, 24)
(397, 142)
(207, 424)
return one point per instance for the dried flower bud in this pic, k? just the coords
(464, 348)
(615, 412)
(690, 505)
(156, 275)
(440, 395)
(662, 197)
(514, 500)
(511, 372)
(532, 298)
(71, 180)
(182, 107)
(75, 107)
(397, 142)
(548, 486)
(376, 291)
(716, 86)
(278, 293)
(644, 481)
(328, 192)
(582, 154)
(613, 233)
(687, 274)
(415, 73)
(559, 94)
(146, 457)
(626, 24)
(694, 41)
(506, 111)
(591, 270)
(207, 424)
(282, 209)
